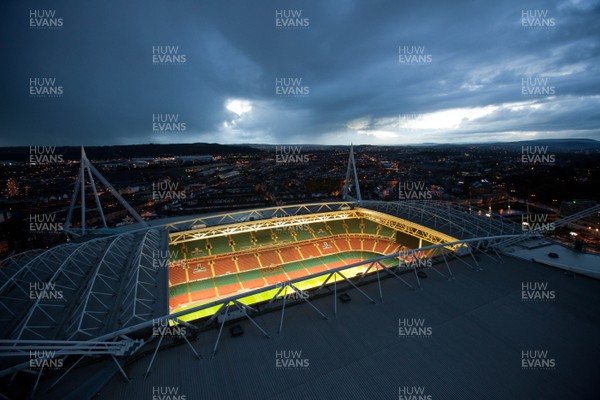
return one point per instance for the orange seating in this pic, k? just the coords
(224, 265)
(289, 254)
(177, 276)
(381, 246)
(177, 301)
(247, 262)
(269, 258)
(327, 247)
(199, 269)
(204, 294)
(309, 250)
(342, 244)
(227, 289)
(355, 244)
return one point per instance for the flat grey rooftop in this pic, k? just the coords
(480, 325)
(569, 259)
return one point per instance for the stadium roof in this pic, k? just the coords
(480, 328)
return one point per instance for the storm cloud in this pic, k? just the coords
(334, 72)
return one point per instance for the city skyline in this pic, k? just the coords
(299, 73)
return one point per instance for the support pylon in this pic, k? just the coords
(351, 167)
(85, 166)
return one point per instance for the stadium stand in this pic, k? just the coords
(247, 262)
(337, 227)
(203, 269)
(219, 245)
(353, 226)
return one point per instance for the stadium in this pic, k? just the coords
(129, 312)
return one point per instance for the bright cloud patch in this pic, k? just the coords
(238, 107)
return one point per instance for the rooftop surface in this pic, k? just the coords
(478, 332)
(568, 259)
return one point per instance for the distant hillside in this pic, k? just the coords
(558, 144)
(555, 144)
(132, 151)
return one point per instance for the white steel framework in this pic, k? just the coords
(86, 168)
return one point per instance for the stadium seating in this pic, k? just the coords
(224, 265)
(219, 245)
(353, 226)
(203, 269)
(204, 289)
(355, 243)
(309, 250)
(247, 262)
(342, 243)
(199, 269)
(283, 235)
(177, 275)
(319, 230)
(289, 254)
(196, 248)
(381, 246)
(386, 232)
(370, 227)
(327, 247)
(337, 227)
(179, 290)
(243, 241)
(295, 270)
(175, 252)
(335, 262)
(301, 233)
(252, 279)
(269, 258)
(263, 237)
(227, 284)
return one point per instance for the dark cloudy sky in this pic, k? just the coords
(486, 74)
